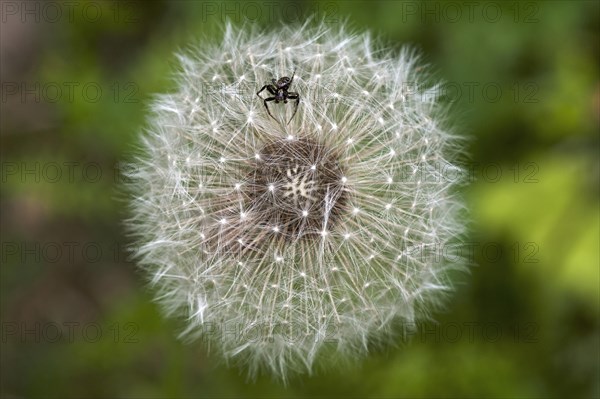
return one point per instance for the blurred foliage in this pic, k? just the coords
(523, 84)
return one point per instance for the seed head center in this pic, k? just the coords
(292, 189)
(297, 185)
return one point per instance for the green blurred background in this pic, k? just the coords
(523, 81)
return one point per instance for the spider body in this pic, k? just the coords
(279, 90)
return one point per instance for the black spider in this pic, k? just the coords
(279, 90)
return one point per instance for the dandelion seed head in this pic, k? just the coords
(245, 220)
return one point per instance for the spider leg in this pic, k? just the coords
(270, 88)
(294, 96)
(260, 91)
(267, 107)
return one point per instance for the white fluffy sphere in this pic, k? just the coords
(277, 236)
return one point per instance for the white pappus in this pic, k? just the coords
(277, 237)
